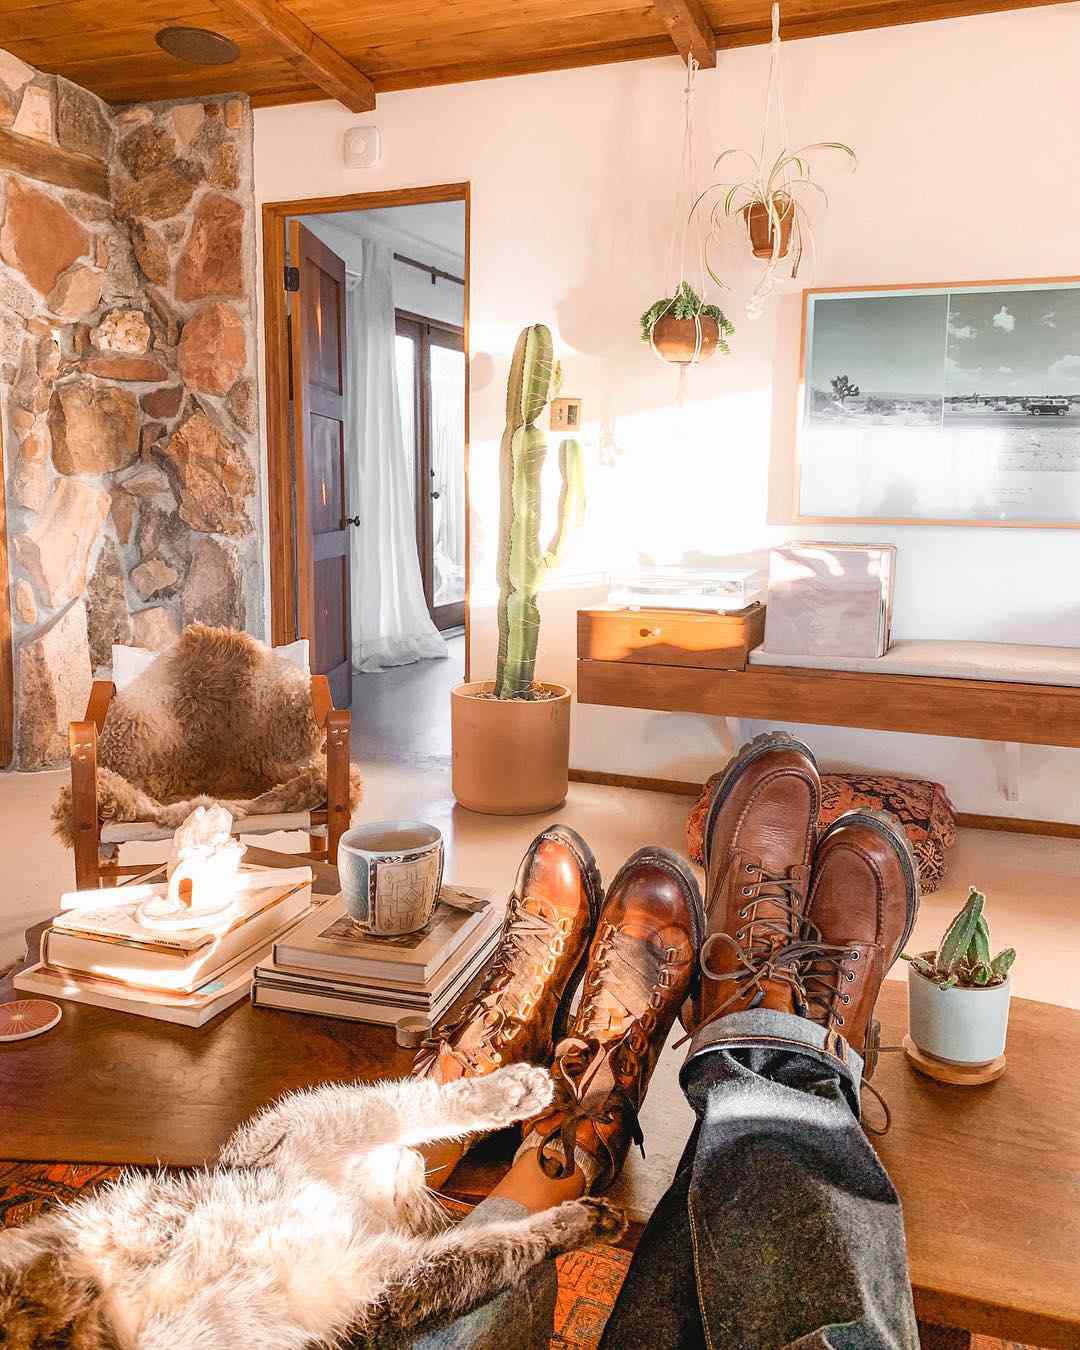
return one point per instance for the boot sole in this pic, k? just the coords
(745, 755)
(889, 828)
(594, 891)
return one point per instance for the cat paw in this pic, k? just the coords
(505, 1096)
(576, 1223)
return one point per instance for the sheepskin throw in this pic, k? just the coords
(218, 717)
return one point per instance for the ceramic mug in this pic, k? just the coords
(391, 873)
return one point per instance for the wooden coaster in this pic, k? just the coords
(957, 1075)
(27, 1017)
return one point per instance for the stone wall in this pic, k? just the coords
(127, 383)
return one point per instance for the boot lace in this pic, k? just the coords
(766, 946)
(598, 1080)
(533, 940)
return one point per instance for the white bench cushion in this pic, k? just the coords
(1012, 663)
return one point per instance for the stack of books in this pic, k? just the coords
(331, 966)
(97, 951)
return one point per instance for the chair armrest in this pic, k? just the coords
(338, 727)
(102, 693)
(322, 701)
(82, 740)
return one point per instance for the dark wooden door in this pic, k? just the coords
(317, 334)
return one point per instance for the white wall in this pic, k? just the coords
(967, 142)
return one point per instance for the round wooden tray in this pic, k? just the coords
(958, 1075)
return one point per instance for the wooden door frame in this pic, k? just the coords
(279, 468)
(420, 327)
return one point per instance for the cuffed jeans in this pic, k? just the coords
(781, 1230)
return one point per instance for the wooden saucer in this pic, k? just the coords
(957, 1075)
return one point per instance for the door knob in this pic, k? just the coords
(434, 496)
(352, 520)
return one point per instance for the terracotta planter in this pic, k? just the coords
(510, 756)
(676, 340)
(958, 1025)
(761, 235)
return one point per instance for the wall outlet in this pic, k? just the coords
(363, 147)
(565, 414)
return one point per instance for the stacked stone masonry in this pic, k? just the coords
(127, 387)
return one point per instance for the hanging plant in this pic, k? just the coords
(771, 196)
(682, 329)
(770, 200)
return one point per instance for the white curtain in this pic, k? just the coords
(391, 625)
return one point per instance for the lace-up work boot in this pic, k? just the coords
(864, 897)
(524, 1001)
(641, 964)
(759, 842)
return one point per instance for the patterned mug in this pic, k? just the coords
(391, 873)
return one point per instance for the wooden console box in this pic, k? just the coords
(670, 637)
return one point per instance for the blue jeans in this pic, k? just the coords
(781, 1230)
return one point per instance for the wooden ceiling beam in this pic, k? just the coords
(690, 30)
(309, 54)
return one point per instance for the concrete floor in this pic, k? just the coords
(401, 738)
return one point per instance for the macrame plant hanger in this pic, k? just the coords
(774, 109)
(681, 240)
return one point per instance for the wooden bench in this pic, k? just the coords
(921, 687)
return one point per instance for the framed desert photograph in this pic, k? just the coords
(941, 404)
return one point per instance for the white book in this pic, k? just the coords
(331, 941)
(112, 944)
(335, 1000)
(229, 986)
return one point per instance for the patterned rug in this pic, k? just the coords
(589, 1280)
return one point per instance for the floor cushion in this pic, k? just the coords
(922, 807)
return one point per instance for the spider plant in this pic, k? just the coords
(773, 191)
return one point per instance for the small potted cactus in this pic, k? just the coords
(958, 996)
(511, 735)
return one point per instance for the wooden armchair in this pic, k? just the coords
(97, 842)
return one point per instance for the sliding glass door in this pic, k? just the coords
(431, 389)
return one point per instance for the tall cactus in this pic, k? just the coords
(521, 564)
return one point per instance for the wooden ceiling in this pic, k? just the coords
(295, 50)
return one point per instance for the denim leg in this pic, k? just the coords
(785, 1226)
(521, 1318)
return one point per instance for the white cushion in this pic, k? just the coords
(130, 662)
(1008, 662)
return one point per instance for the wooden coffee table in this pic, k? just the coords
(990, 1177)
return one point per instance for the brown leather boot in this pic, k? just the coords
(864, 896)
(759, 841)
(524, 1001)
(640, 968)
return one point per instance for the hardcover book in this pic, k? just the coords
(110, 943)
(332, 941)
(227, 987)
(277, 987)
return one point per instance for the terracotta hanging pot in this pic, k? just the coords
(760, 227)
(676, 340)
